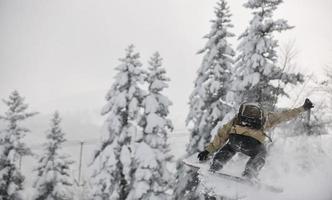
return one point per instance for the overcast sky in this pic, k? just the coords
(61, 54)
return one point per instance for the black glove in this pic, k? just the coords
(307, 104)
(203, 155)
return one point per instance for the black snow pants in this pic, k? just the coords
(246, 145)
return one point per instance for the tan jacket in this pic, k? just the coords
(272, 119)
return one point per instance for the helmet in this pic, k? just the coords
(251, 115)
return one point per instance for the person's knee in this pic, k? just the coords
(256, 163)
(259, 162)
(261, 155)
(224, 153)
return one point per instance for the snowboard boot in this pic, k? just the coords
(250, 176)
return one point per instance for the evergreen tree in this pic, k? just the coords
(12, 148)
(113, 179)
(256, 67)
(54, 181)
(152, 179)
(209, 102)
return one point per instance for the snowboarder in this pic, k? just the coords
(245, 133)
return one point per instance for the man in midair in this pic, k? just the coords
(245, 133)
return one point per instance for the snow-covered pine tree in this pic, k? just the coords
(256, 66)
(113, 179)
(54, 181)
(152, 180)
(12, 148)
(208, 102)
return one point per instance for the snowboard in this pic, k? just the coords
(203, 168)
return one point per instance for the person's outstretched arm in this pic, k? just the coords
(275, 118)
(218, 141)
